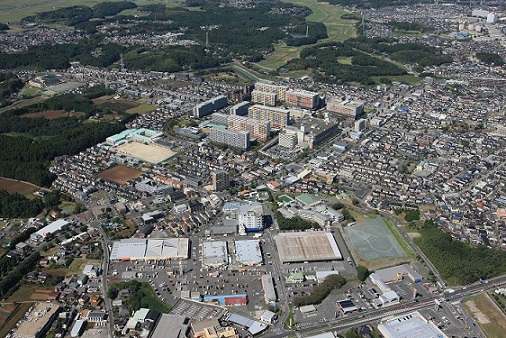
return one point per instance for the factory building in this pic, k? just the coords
(277, 117)
(269, 291)
(410, 325)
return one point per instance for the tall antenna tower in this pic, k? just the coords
(121, 63)
(207, 39)
(307, 31)
(363, 21)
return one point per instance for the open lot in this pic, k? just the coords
(15, 186)
(120, 174)
(29, 292)
(141, 109)
(10, 314)
(491, 320)
(373, 241)
(52, 114)
(145, 152)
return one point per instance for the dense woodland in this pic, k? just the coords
(383, 3)
(459, 263)
(490, 59)
(294, 223)
(28, 144)
(4, 27)
(9, 85)
(320, 292)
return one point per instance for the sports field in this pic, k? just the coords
(145, 152)
(120, 174)
(373, 241)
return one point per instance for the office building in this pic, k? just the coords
(277, 117)
(220, 180)
(303, 99)
(360, 125)
(210, 106)
(265, 98)
(236, 139)
(258, 129)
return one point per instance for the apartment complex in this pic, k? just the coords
(210, 106)
(237, 139)
(265, 98)
(348, 108)
(220, 180)
(258, 129)
(303, 99)
(278, 117)
(280, 91)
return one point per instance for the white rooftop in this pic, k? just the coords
(215, 252)
(248, 252)
(412, 325)
(149, 249)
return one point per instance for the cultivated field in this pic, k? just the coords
(141, 109)
(120, 174)
(145, 152)
(14, 186)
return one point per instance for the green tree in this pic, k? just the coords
(362, 273)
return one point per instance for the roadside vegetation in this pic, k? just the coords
(137, 295)
(320, 292)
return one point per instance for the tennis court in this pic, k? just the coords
(372, 240)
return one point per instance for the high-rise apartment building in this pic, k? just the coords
(278, 117)
(258, 129)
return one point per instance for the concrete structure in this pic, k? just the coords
(215, 254)
(303, 99)
(265, 98)
(268, 317)
(175, 324)
(258, 129)
(307, 132)
(347, 306)
(254, 327)
(248, 252)
(308, 246)
(220, 119)
(269, 291)
(38, 321)
(240, 109)
(78, 328)
(353, 109)
(388, 296)
(210, 106)
(236, 139)
(307, 309)
(141, 135)
(248, 216)
(149, 250)
(220, 180)
(280, 91)
(397, 273)
(227, 300)
(492, 17)
(360, 125)
(409, 326)
(277, 117)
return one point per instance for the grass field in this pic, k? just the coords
(15, 186)
(21, 104)
(398, 237)
(491, 320)
(344, 60)
(142, 109)
(10, 315)
(120, 174)
(330, 15)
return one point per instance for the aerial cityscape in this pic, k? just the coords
(253, 168)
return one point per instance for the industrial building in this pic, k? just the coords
(269, 291)
(215, 254)
(410, 325)
(280, 91)
(149, 249)
(51, 228)
(348, 108)
(307, 133)
(277, 117)
(254, 327)
(175, 324)
(308, 246)
(210, 106)
(264, 98)
(388, 296)
(248, 253)
(396, 273)
(236, 139)
(258, 129)
(240, 109)
(303, 99)
(248, 216)
(38, 321)
(227, 300)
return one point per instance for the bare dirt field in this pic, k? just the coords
(14, 186)
(120, 174)
(145, 152)
(52, 114)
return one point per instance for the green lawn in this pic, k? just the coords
(142, 109)
(344, 60)
(490, 320)
(398, 237)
